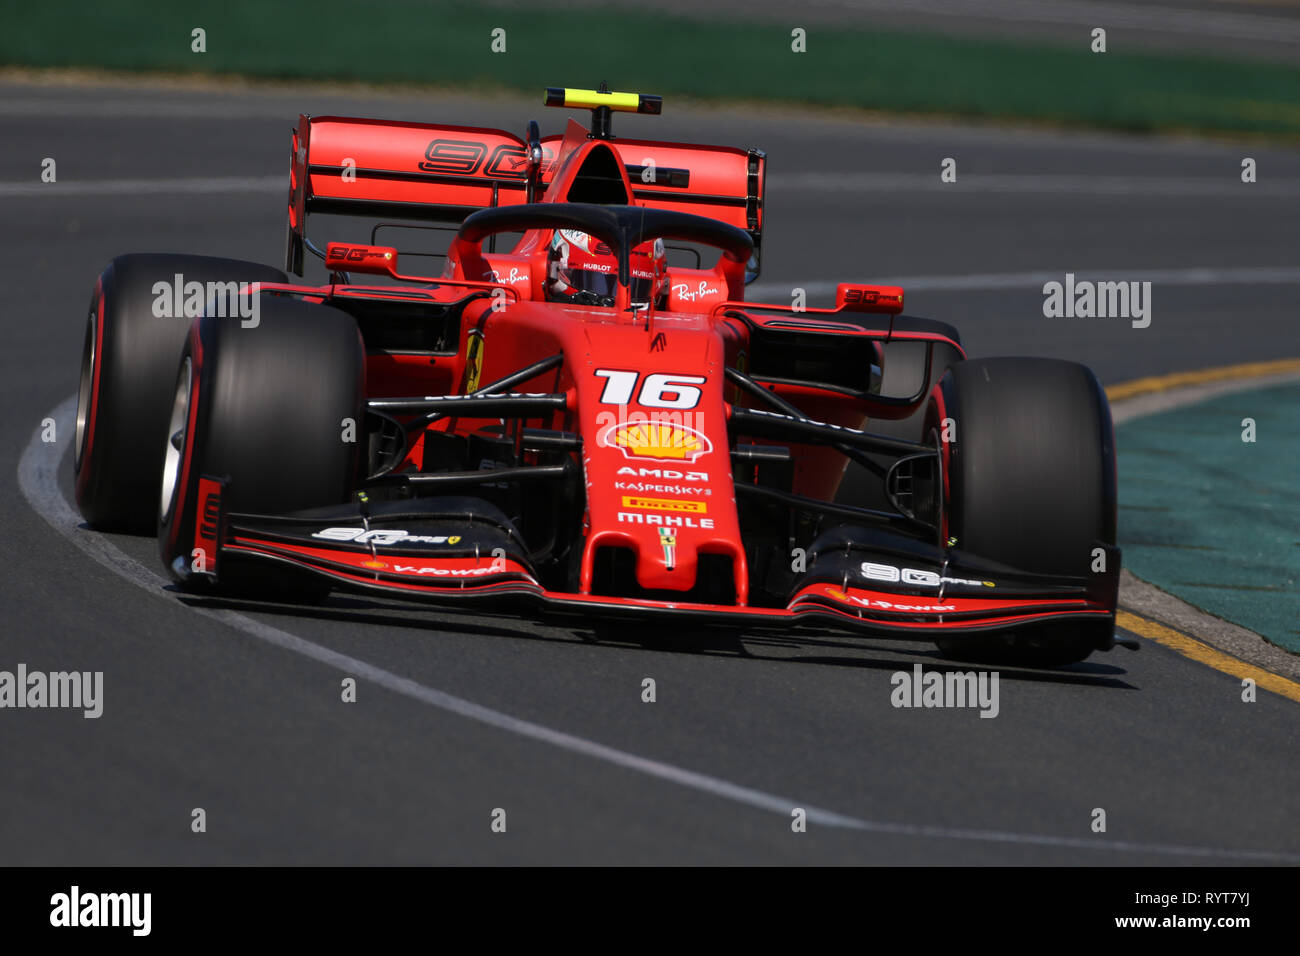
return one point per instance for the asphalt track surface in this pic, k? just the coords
(237, 709)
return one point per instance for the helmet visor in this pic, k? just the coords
(604, 284)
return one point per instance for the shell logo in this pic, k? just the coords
(660, 441)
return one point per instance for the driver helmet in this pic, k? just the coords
(583, 269)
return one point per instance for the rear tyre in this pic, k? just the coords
(267, 408)
(1031, 483)
(128, 370)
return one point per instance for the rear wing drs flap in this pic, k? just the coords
(381, 169)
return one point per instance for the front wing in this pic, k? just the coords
(481, 566)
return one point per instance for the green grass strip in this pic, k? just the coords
(409, 42)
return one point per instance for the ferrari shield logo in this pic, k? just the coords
(668, 540)
(473, 360)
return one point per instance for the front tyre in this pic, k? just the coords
(266, 408)
(1030, 483)
(128, 366)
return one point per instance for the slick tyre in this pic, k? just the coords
(1030, 483)
(267, 409)
(128, 370)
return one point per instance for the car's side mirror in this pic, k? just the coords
(853, 297)
(351, 257)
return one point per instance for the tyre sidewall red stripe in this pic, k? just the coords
(86, 468)
(182, 512)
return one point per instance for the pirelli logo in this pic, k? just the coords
(666, 504)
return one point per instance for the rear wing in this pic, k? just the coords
(380, 169)
(720, 182)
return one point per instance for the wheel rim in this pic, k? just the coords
(176, 438)
(89, 355)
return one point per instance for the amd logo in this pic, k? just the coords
(665, 473)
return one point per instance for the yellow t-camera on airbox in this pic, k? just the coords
(603, 104)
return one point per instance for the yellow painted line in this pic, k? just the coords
(1162, 383)
(1176, 640)
(1211, 657)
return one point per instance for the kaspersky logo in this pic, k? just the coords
(657, 441)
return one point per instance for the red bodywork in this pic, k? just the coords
(647, 392)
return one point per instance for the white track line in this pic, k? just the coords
(1082, 184)
(1033, 281)
(1140, 406)
(141, 187)
(190, 108)
(1157, 18)
(1062, 184)
(838, 183)
(38, 480)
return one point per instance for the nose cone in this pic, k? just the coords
(667, 546)
(656, 455)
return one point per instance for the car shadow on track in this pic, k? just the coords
(833, 649)
(351, 610)
(805, 647)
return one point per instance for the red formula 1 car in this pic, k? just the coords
(580, 427)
